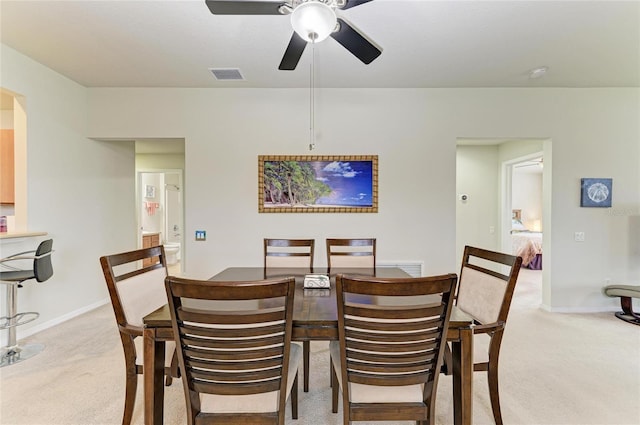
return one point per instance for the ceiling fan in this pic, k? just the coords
(338, 29)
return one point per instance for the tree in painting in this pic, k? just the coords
(292, 183)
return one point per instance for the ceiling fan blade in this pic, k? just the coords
(353, 3)
(356, 43)
(244, 7)
(293, 53)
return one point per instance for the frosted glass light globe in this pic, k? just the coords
(313, 21)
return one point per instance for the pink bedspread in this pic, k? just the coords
(527, 245)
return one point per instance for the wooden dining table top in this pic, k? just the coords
(313, 307)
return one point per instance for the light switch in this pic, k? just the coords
(201, 235)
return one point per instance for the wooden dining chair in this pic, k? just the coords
(351, 253)
(135, 291)
(388, 356)
(285, 253)
(235, 352)
(484, 292)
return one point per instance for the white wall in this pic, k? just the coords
(83, 192)
(226, 130)
(477, 218)
(154, 162)
(414, 132)
(79, 191)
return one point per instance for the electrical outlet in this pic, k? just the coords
(578, 236)
(492, 229)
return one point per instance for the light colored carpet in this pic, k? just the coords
(555, 369)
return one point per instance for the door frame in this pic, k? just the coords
(506, 188)
(138, 208)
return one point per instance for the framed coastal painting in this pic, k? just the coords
(318, 184)
(595, 192)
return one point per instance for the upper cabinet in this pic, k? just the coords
(7, 191)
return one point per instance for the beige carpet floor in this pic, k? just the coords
(556, 369)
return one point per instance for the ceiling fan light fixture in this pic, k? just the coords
(313, 21)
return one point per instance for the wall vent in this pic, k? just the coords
(413, 268)
(227, 74)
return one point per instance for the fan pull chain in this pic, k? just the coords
(312, 112)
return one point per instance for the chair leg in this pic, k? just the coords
(331, 372)
(306, 349)
(346, 420)
(132, 370)
(294, 398)
(447, 360)
(173, 371)
(130, 394)
(492, 378)
(334, 388)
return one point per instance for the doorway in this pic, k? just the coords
(484, 198)
(160, 200)
(161, 212)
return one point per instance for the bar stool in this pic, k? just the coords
(13, 278)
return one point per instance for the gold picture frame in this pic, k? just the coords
(318, 184)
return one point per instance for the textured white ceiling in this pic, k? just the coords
(121, 43)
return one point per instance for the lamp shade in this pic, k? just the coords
(313, 21)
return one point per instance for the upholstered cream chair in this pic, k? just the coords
(235, 352)
(137, 290)
(485, 290)
(351, 253)
(388, 356)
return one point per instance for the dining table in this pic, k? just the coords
(315, 318)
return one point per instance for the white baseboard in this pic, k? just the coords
(580, 309)
(53, 322)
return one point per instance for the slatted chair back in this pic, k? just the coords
(287, 253)
(235, 352)
(388, 356)
(351, 253)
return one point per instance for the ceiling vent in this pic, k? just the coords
(227, 74)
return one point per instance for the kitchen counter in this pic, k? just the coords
(13, 235)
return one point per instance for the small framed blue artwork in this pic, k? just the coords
(596, 193)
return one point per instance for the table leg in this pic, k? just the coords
(462, 356)
(153, 378)
(306, 348)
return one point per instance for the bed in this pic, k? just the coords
(526, 244)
